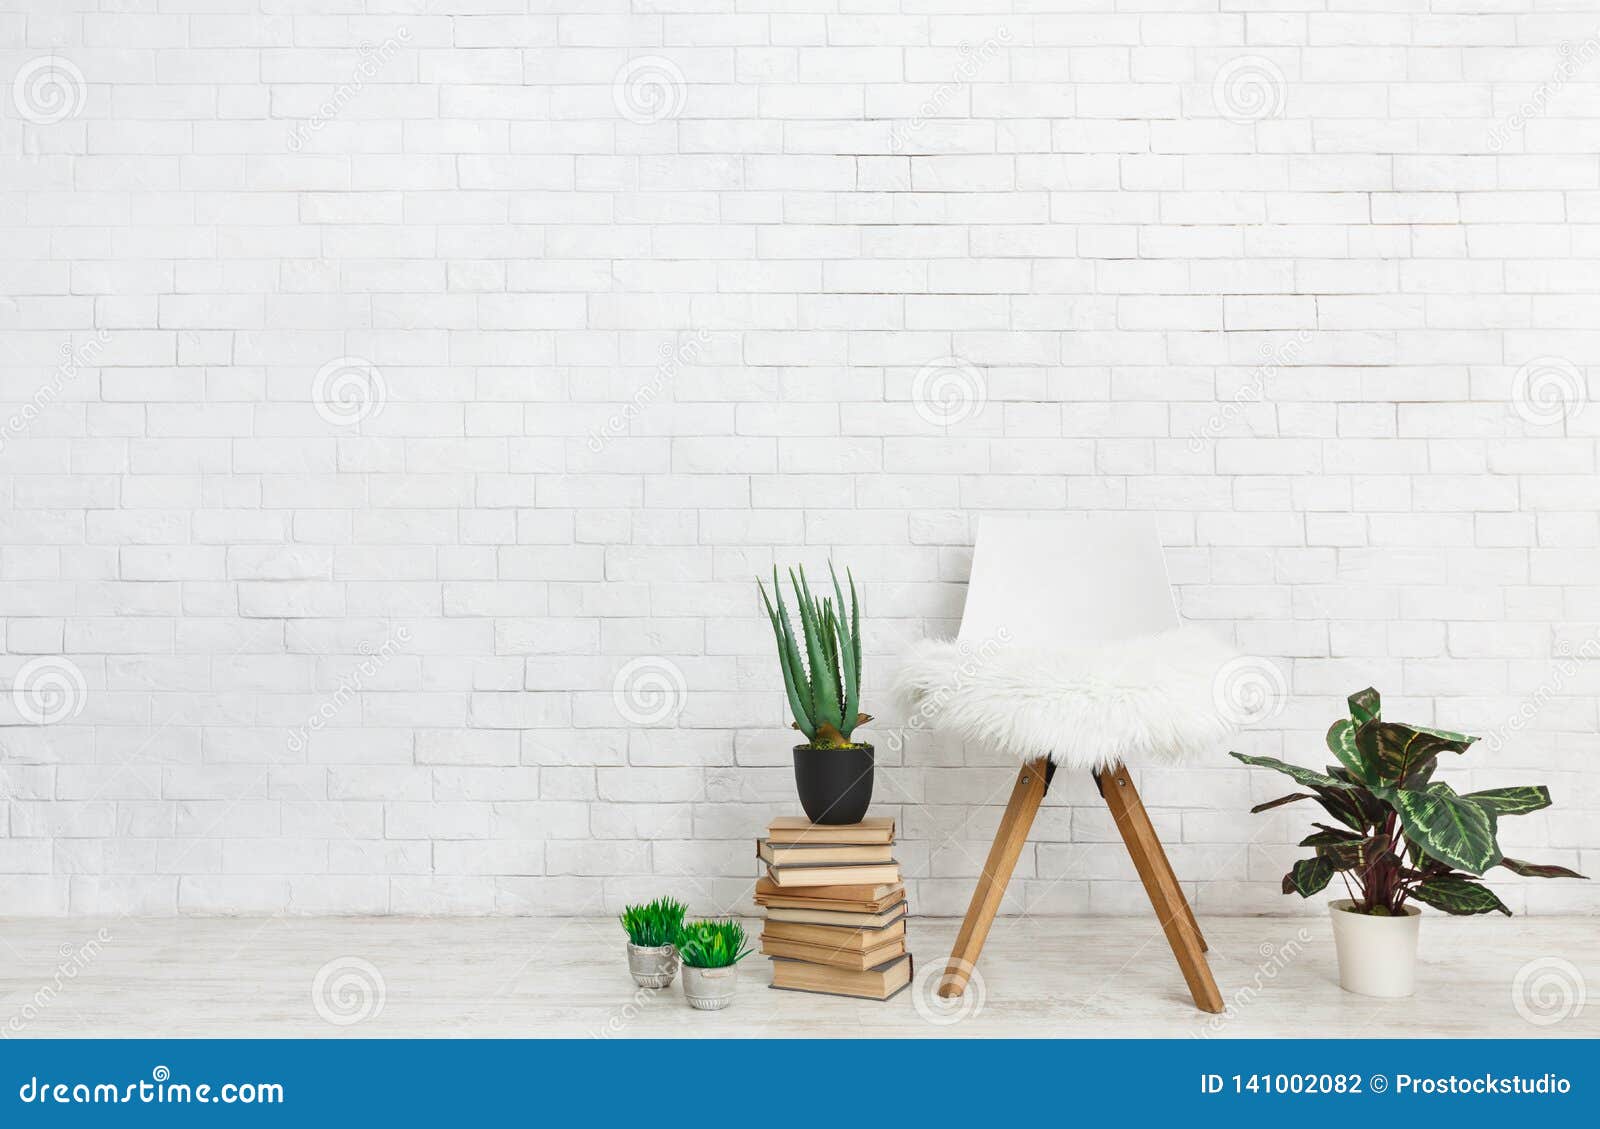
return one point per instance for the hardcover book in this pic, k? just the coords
(805, 916)
(800, 830)
(835, 937)
(838, 958)
(879, 983)
(826, 854)
(863, 899)
(867, 874)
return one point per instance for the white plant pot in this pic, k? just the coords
(652, 967)
(1377, 955)
(710, 989)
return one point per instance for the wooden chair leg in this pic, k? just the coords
(1026, 796)
(1188, 911)
(1149, 859)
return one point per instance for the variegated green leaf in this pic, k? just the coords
(1449, 827)
(1329, 835)
(1308, 876)
(1539, 869)
(1342, 743)
(1280, 801)
(1459, 896)
(1341, 803)
(1423, 773)
(1365, 796)
(1394, 751)
(1308, 777)
(1348, 854)
(1447, 735)
(1512, 801)
(1365, 706)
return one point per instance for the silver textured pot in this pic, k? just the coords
(710, 989)
(652, 966)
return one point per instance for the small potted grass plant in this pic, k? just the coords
(1398, 836)
(652, 928)
(822, 679)
(711, 952)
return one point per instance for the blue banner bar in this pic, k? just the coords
(793, 1082)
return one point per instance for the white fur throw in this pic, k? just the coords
(1154, 699)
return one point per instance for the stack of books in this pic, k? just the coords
(836, 908)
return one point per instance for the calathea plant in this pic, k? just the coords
(1398, 834)
(823, 686)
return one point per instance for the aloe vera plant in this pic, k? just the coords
(823, 685)
(1401, 834)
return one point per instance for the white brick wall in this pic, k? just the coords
(381, 378)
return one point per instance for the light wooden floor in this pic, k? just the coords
(1100, 977)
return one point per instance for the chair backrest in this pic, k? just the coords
(1076, 580)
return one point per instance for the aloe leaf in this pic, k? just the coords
(1449, 827)
(796, 684)
(1460, 896)
(824, 697)
(855, 629)
(830, 650)
(851, 698)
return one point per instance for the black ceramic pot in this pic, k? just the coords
(835, 784)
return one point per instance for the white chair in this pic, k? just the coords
(1071, 653)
